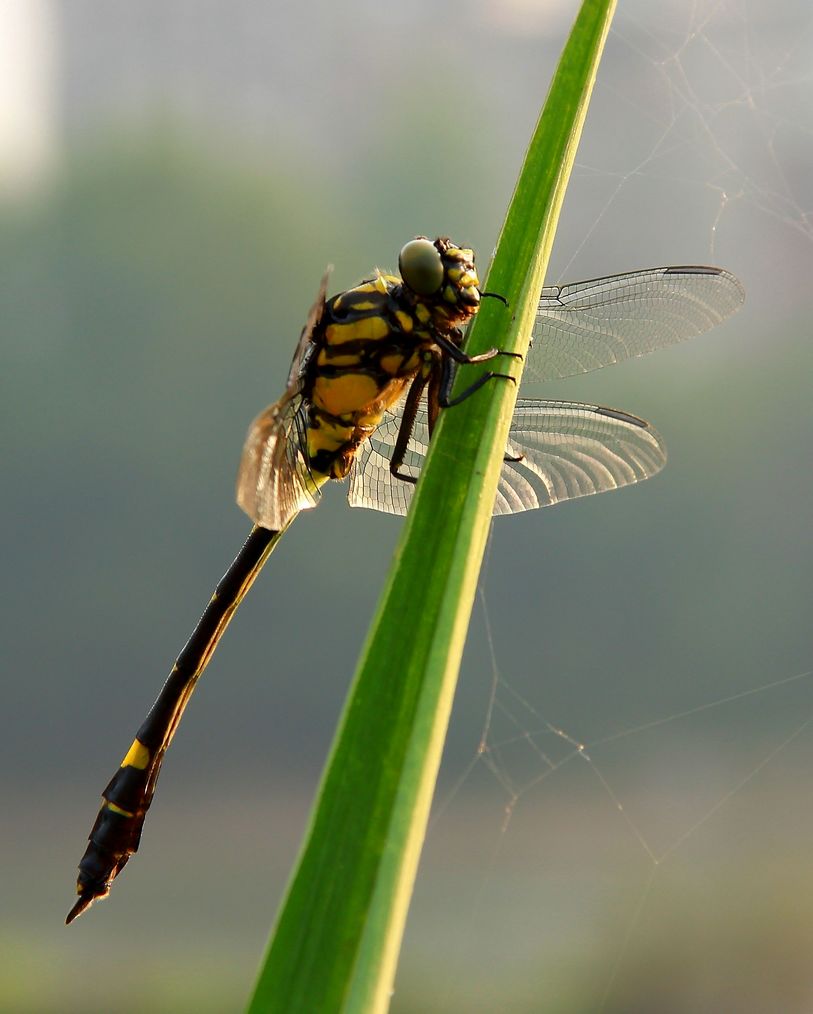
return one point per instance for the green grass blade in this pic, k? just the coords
(337, 937)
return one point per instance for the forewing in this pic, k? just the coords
(304, 346)
(567, 450)
(586, 325)
(274, 481)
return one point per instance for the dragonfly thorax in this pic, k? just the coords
(371, 342)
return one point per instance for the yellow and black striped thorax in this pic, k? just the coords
(373, 339)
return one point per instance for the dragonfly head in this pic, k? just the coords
(442, 276)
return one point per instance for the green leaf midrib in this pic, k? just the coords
(338, 934)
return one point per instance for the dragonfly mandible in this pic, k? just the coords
(373, 369)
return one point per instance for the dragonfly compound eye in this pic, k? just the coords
(421, 266)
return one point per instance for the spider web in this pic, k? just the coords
(727, 107)
(719, 95)
(520, 750)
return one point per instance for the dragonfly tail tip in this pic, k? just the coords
(84, 902)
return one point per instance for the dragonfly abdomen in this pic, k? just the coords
(116, 833)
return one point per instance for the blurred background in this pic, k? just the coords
(623, 820)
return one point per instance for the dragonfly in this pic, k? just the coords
(373, 369)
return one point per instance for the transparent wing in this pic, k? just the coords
(274, 482)
(568, 450)
(586, 325)
(304, 347)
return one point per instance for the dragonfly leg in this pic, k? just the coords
(411, 404)
(459, 356)
(439, 390)
(444, 393)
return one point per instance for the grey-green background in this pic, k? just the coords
(199, 164)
